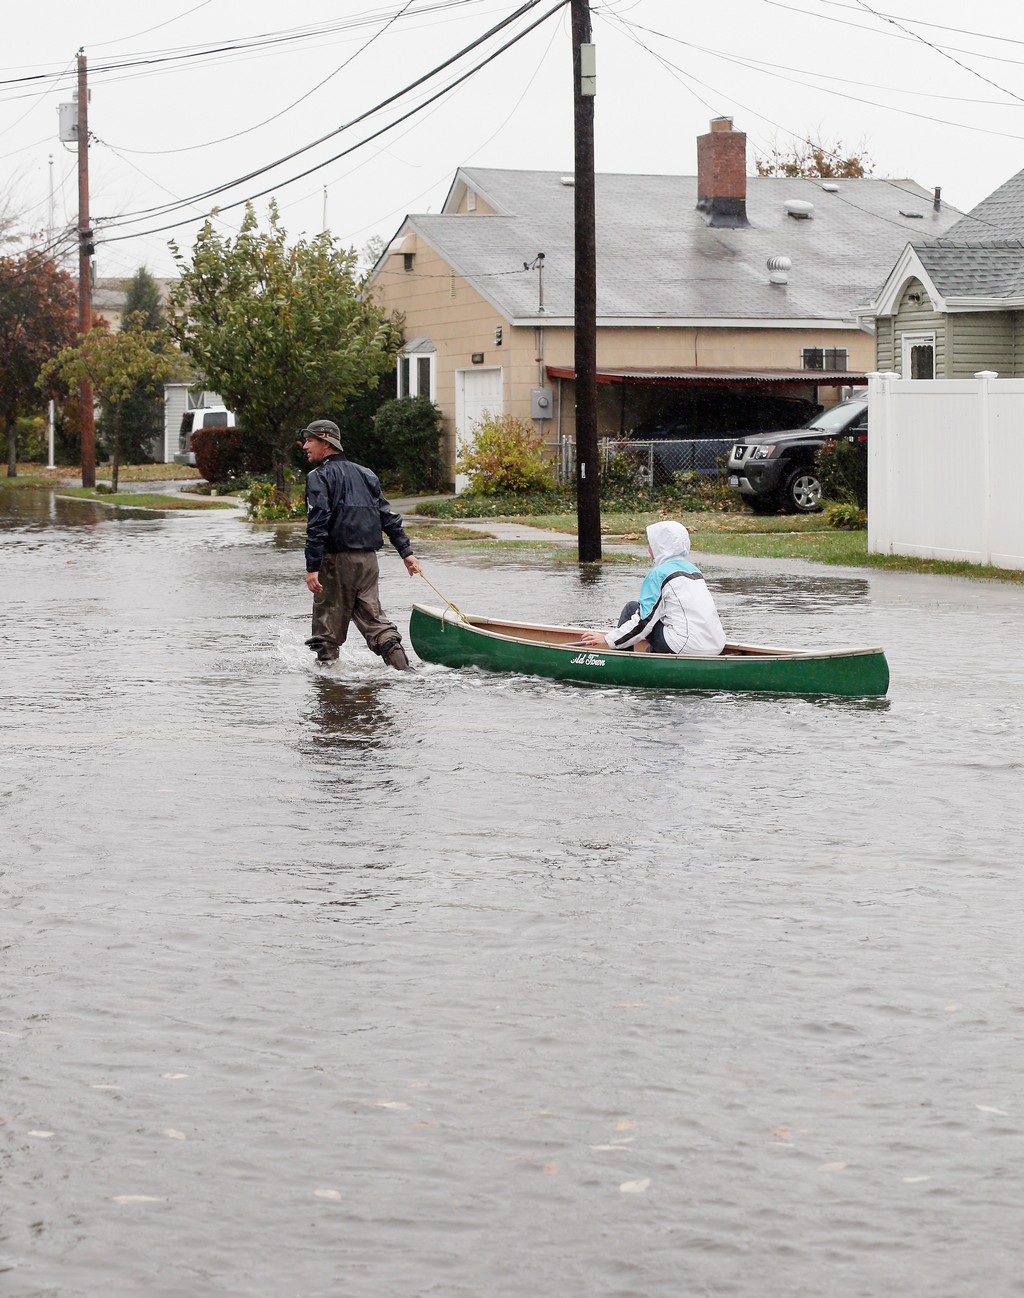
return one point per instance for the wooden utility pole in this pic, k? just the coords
(85, 251)
(588, 468)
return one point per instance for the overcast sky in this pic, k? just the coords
(189, 97)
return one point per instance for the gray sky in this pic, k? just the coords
(935, 92)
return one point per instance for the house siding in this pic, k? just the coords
(981, 341)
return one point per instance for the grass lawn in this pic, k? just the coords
(144, 500)
(783, 536)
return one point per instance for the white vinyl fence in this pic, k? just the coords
(944, 460)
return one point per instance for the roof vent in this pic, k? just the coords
(798, 209)
(830, 188)
(914, 216)
(778, 270)
(567, 180)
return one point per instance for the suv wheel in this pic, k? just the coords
(802, 491)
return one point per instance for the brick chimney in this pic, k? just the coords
(722, 175)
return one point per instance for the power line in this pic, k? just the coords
(210, 50)
(938, 50)
(167, 209)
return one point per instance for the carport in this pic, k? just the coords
(727, 400)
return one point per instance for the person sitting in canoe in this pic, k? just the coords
(675, 613)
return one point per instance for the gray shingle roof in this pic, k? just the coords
(994, 269)
(999, 216)
(658, 259)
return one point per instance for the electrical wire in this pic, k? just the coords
(211, 50)
(167, 209)
(224, 139)
(938, 50)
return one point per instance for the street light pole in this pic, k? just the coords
(588, 470)
(85, 250)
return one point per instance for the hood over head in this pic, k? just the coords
(668, 541)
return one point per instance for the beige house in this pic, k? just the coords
(110, 295)
(721, 295)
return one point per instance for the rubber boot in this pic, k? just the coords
(394, 655)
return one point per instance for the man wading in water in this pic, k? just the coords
(347, 517)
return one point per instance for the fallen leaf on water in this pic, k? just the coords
(418, 1086)
(423, 1122)
(915, 1180)
(635, 1187)
(952, 1009)
(390, 1104)
(333, 1195)
(550, 1169)
(173, 1134)
(618, 1144)
(783, 1133)
(174, 1077)
(627, 1124)
(988, 1108)
(540, 1113)
(833, 1167)
(137, 1198)
(43, 1135)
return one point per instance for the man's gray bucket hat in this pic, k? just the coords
(326, 431)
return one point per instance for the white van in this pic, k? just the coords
(201, 417)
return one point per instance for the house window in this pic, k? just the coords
(919, 356)
(416, 375)
(823, 358)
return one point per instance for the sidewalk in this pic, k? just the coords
(406, 506)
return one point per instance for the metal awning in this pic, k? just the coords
(671, 377)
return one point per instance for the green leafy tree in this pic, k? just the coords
(38, 316)
(116, 364)
(813, 158)
(283, 332)
(142, 413)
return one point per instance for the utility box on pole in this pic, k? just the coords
(68, 118)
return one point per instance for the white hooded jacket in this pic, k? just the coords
(675, 594)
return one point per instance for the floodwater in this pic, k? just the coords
(352, 984)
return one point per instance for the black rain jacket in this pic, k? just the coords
(346, 511)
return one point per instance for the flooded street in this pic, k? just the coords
(353, 984)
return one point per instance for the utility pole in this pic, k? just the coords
(588, 469)
(85, 251)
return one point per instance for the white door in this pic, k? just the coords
(918, 356)
(477, 392)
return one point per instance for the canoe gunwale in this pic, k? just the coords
(481, 626)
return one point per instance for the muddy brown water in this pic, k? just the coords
(356, 984)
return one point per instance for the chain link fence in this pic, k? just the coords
(656, 462)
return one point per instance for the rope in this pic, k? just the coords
(449, 602)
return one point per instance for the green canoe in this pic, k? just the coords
(445, 636)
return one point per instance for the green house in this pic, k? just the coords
(954, 305)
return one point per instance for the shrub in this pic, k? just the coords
(226, 453)
(506, 454)
(843, 468)
(846, 517)
(408, 444)
(263, 505)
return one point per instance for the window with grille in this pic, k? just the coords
(823, 358)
